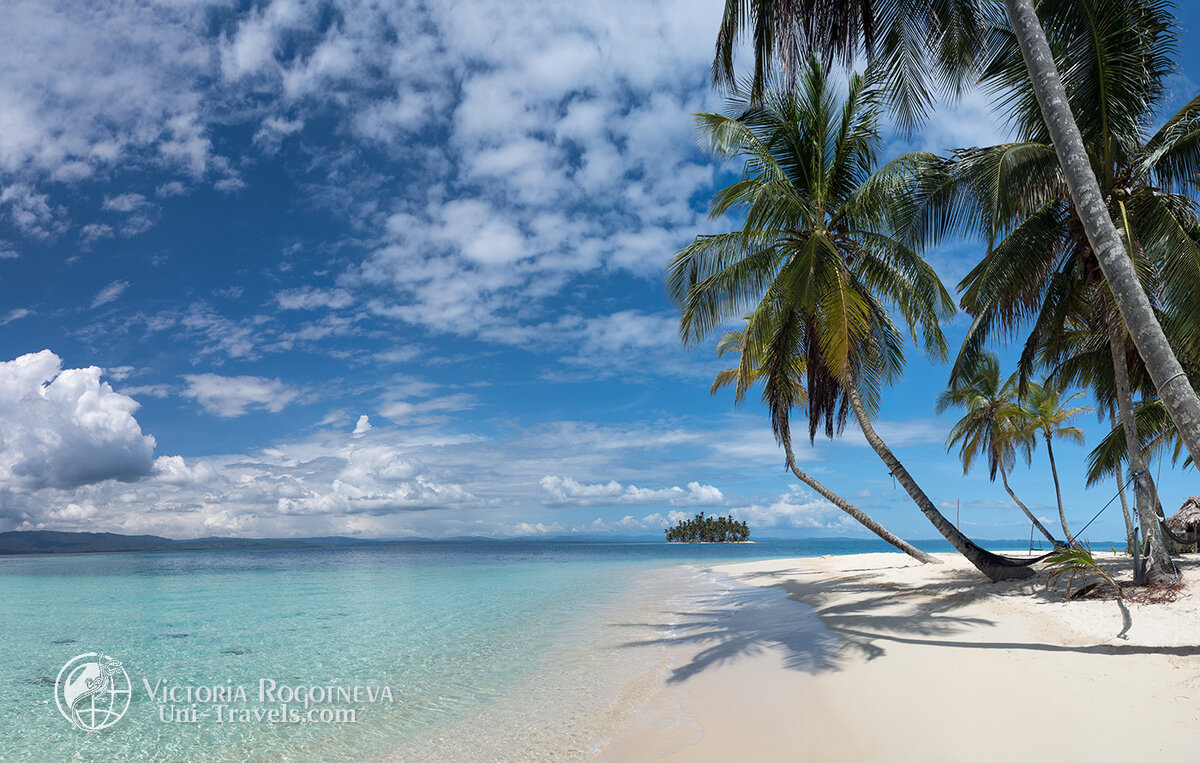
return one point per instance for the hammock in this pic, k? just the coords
(1008, 561)
(1183, 540)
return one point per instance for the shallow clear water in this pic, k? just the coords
(454, 630)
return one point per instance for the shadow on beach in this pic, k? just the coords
(852, 614)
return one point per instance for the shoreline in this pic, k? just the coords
(878, 657)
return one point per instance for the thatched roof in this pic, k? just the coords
(1188, 515)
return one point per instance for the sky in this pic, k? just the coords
(331, 267)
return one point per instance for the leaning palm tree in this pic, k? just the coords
(827, 247)
(777, 365)
(928, 46)
(1049, 416)
(995, 426)
(1042, 272)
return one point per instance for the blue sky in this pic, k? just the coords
(308, 268)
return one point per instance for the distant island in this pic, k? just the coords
(704, 529)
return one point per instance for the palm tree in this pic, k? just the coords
(826, 249)
(1107, 460)
(922, 47)
(1042, 270)
(994, 426)
(1050, 417)
(780, 369)
(923, 43)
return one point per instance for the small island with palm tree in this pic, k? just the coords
(708, 529)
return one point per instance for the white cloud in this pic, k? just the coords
(273, 130)
(93, 232)
(86, 87)
(148, 390)
(125, 202)
(441, 479)
(403, 410)
(174, 470)
(231, 396)
(64, 428)
(15, 314)
(110, 293)
(363, 426)
(29, 210)
(565, 491)
(397, 354)
(344, 486)
(900, 433)
(546, 106)
(217, 334)
(797, 509)
(168, 190)
(309, 298)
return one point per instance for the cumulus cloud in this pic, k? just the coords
(363, 426)
(174, 470)
(797, 509)
(315, 487)
(565, 491)
(440, 480)
(232, 396)
(64, 428)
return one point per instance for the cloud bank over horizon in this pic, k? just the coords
(75, 458)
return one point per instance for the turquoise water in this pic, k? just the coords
(450, 629)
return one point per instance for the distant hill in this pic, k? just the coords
(53, 542)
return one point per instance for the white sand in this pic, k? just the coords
(889, 660)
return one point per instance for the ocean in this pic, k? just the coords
(413, 651)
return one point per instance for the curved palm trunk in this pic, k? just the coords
(994, 566)
(1173, 387)
(1131, 542)
(860, 517)
(1160, 568)
(1029, 514)
(1062, 516)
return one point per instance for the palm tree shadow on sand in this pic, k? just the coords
(866, 618)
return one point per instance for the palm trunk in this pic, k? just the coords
(1160, 568)
(1062, 516)
(1173, 387)
(860, 517)
(1131, 542)
(994, 566)
(1029, 514)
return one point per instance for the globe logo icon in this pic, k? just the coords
(92, 691)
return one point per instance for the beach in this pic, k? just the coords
(605, 652)
(877, 657)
